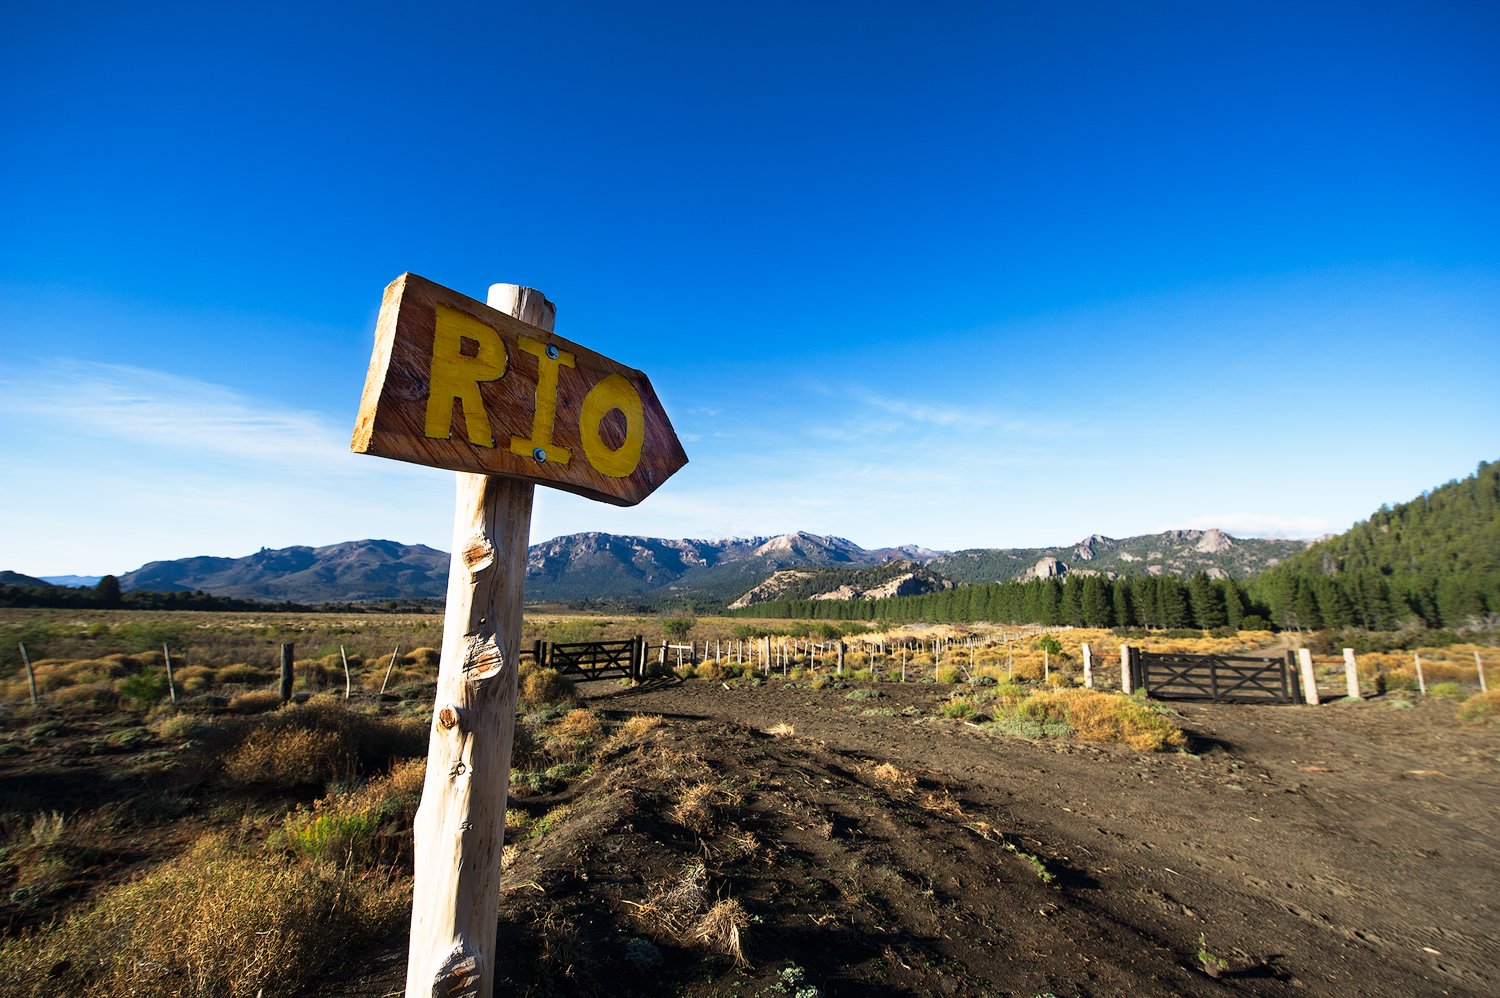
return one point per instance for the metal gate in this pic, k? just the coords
(1220, 678)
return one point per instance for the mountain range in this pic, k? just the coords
(623, 570)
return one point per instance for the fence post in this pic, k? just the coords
(1088, 666)
(1479, 668)
(1127, 675)
(1351, 673)
(166, 652)
(1421, 679)
(841, 657)
(30, 673)
(1309, 679)
(287, 656)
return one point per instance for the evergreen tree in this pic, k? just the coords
(1070, 606)
(1120, 595)
(1095, 602)
(107, 592)
(1207, 602)
(1172, 603)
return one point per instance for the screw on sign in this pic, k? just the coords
(489, 391)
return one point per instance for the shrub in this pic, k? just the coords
(1481, 707)
(86, 697)
(242, 674)
(255, 701)
(314, 743)
(677, 628)
(181, 727)
(958, 708)
(579, 727)
(214, 921)
(547, 686)
(288, 758)
(948, 675)
(1445, 689)
(142, 689)
(1401, 679)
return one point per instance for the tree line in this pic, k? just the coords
(1275, 600)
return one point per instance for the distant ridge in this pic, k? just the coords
(620, 569)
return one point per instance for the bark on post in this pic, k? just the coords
(288, 657)
(1126, 685)
(460, 825)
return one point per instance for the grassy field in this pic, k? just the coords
(130, 824)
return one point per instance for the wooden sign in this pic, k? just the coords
(456, 384)
(490, 392)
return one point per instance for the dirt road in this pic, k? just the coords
(1345, 849)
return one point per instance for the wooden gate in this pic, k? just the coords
(1220, 678)
(593, 659)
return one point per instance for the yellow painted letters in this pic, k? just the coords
(613, 392)
(456, 375)
(540, 444)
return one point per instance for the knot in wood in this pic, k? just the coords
(479, 554)
(451, 717)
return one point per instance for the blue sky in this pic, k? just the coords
(950, 274)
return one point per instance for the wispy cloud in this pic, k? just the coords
(1265, 525)
(170, 412)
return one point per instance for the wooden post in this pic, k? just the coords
(1479, 668)
(347, 683)
(1351, 674)
(288, 655)
(1088, 666)
(1126, 684)
(30, 673)
(840, 671)
(1309, 679)
(171, 684)
(460, 825)
(766, 641)
(394, 652)
(1421, 680)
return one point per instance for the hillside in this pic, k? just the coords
(1433, 561)
(596, 567)
(1174, 552)
(894, 578)
(354, 570)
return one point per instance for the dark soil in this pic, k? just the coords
(1347, 849)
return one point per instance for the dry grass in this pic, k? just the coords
(579, 727)
(702, 808)
(1090, 716)
(217, 921)
(781, 729)
(1480, 708)
(895, 779)
(539, 686)
(255, 701)
(288, 758)
(319, 741)
(632, 731)
(679, 913)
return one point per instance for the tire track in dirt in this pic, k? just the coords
(1350, 847)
